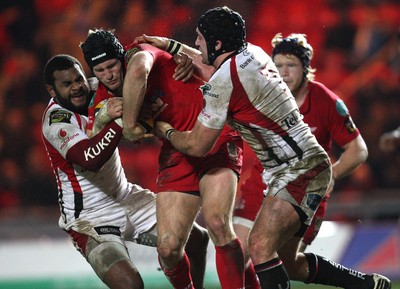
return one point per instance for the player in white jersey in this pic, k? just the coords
(247, 92)
(99, 208)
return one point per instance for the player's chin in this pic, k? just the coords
(78, 102)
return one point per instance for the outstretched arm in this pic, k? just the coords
(174, 47)
(197, 142)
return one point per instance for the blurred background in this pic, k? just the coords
(356, 54)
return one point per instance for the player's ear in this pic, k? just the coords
(218, 45)
(50, 90)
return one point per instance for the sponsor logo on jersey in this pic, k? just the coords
(313, 201)
(349, 124)
(157, 107)
(92, 152)
(205, 89)
(62, 133)
(245, 51)
(291, 120)
(58, 116)
(67, 140)
(247, 62)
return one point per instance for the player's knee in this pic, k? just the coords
(169, 246)
(103, 256)
(218, 225)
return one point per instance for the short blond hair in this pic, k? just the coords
(297, 45)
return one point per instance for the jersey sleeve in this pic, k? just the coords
(216, 97)
(342, 127)
(65, 131)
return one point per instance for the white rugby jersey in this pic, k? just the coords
(248, 93)
(87, 199)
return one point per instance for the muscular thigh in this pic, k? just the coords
(276, 222)
(176, 212)
(303, 185)
(218, 191)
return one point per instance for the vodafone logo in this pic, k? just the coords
(62, 133)
(67, 140)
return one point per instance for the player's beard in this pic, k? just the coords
(66, 103)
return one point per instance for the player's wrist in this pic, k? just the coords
(169, 132)
(173, 47)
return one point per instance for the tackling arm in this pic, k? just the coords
(197, 142)
(174, 47)
(91, 154)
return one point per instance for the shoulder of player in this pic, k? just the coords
(319, 92)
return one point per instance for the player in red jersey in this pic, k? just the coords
(329, 120)
(144, 73)
(247, 91)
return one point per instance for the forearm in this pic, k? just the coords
(193, 143)
(92, 154)
(179, 141)
(134, 90)
(133, 100)
(348, 162)
(202, 70)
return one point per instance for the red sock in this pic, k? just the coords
(230, 265)
(179, 276)
(251, 279)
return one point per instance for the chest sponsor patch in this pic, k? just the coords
(59, 116)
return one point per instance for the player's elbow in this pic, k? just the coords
(90, 165)
(362, 150)
(364, 154)
(197, 149)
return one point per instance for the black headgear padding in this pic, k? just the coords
(290, 46)
(101, 45)
(226, 25)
